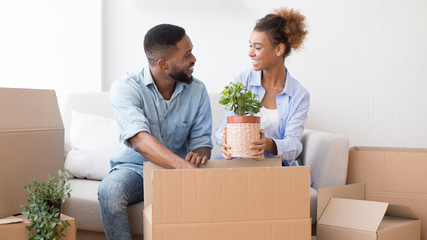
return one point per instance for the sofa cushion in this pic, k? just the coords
(94, 141)
(84, 207)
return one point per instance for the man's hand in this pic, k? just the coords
(196, 158)
(226, 154)
(259, 146)
(149, 147)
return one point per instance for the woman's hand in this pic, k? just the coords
(224, 146)
(259, 146)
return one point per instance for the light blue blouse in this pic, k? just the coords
(292, 104)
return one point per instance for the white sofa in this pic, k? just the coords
(325, 153)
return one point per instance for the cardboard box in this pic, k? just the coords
(394, 175)
(235, 163)
(31, 143)
(356, 219)
(17, 231)
(229, 203)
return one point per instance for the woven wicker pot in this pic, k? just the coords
(241, 130)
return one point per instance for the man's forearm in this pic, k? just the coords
(153, 150)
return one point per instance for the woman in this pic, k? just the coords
(285, 102)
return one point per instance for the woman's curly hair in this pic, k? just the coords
(284, 26)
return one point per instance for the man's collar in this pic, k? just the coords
(148, 78)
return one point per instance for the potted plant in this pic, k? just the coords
(245, 127)
(44, 208)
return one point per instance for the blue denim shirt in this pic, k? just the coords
(139, 107)
(292, 105)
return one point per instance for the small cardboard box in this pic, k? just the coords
(17, 231)
(31, 143)
(358, 219)
(228, 203)
(394, 175)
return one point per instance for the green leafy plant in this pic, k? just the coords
(44, 208)
(238, 99)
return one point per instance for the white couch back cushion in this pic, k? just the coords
(94, 130)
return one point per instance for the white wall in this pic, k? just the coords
(218, 29)
(364, 62)
(51, 44)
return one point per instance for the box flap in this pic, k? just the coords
(396, 210)
(393, 223)
(218, 163)
(354, 214)
(148, 211)
(351, 191)
(10, 219)
(242, 163)
(147, 223)
(31, 110)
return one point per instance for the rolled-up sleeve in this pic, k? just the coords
(290, 146)
(127, 105)
(201, 130)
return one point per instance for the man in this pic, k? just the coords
(164, 116)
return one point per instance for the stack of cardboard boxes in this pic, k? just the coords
(393, 175)
(31, 147)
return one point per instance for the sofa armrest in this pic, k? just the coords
(327, 156)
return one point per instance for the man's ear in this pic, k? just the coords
(280, 49)
(163, 64)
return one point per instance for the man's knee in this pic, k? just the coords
(102, 191)
(111, 198)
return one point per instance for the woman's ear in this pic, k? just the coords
(280, 49)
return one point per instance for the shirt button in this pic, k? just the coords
(162, 136)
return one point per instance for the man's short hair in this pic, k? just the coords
(160, 40)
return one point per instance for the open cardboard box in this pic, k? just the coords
(394, 175)
(17, 231)
(31, 143)
(344, 214)
(238, 199)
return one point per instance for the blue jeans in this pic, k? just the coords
(117, 190)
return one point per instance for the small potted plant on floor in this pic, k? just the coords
(245, 127)
(44, 208)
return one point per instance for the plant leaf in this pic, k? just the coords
(239, 99)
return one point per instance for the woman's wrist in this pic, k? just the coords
(271, 146)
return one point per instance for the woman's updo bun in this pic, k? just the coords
(284, 26)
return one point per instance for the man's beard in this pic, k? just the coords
(181, 77)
